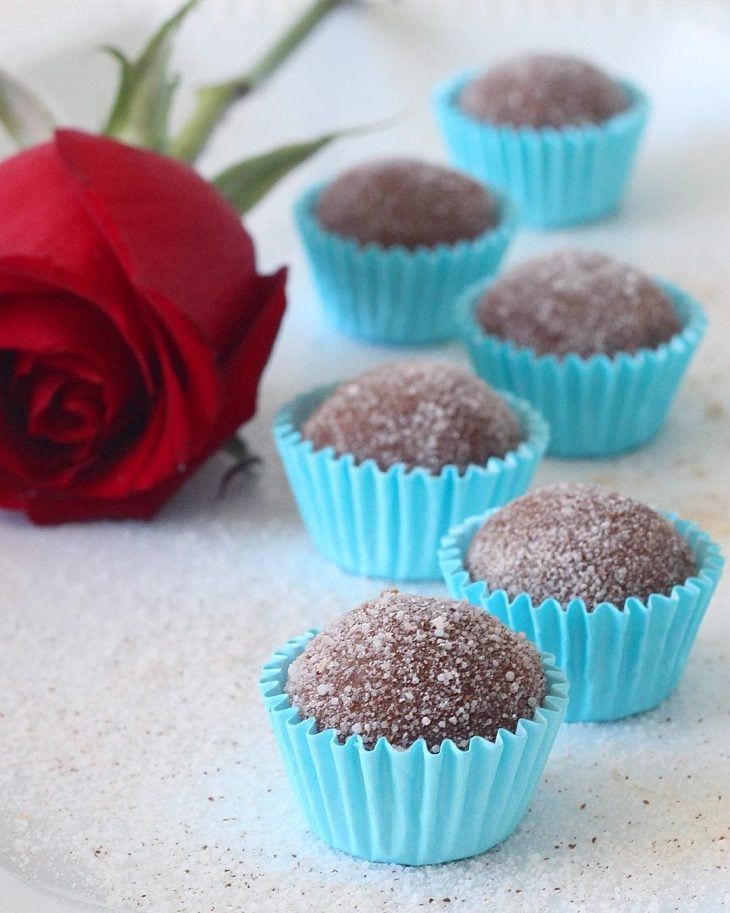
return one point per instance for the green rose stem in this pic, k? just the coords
(214, 101)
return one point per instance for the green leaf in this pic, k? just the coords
(22, 113)
(124, 88)
(247, 182)
(142, 106)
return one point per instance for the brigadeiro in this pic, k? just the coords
(578, 301)
(405, 667)
(426, 413)
(555, 132)
(383, 464)
(577, 541)
(414, 728)
(595, 345)
(614, 590)
(544, 90)
(404, 201)
(393, 242)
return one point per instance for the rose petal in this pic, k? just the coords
(49, 508)
(180, 410)
(73, 416)
(176, 236)
(72, 336)
(246, 359)
(245, 362)
(181, 419)
(49, 242)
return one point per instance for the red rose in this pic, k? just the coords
(133, 328)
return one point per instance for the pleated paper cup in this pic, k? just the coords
(596, 406)
(618, 660)
(556, 176)
(393, 294)
(388, 523)
(410, 806)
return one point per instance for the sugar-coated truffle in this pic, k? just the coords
(578, 301)
(408, 667)
(543, 90)
(576, 541)
(425, 413)
(406, 202)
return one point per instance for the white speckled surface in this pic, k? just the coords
(136, 767)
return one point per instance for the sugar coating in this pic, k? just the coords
(578, 301)
(576, 541)
(543, 90)
(404, 201)
(426, 413)
(405, 667)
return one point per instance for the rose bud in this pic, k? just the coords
(133, 328)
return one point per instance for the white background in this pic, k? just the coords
(110, 630)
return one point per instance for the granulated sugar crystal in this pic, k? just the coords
(575, 541)
(578, 301)
(407, 202)
(425, 413)
(543, 90)
(405, 667)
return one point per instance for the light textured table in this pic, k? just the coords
(136, 766)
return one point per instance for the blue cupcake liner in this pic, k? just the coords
(388, 523)
(410, 806)
(596, 406)
(393, 294)
(557, 177)
(619, 661)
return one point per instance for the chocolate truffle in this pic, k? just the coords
(403, 201)
(573, 541)
(407, 667)
(425, 413)
(577, 301)
(543, 90)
